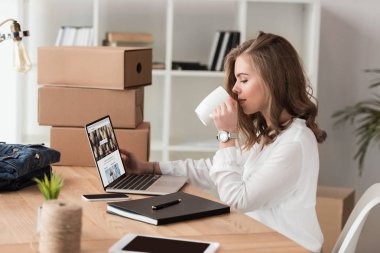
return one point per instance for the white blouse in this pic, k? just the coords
(275, 185)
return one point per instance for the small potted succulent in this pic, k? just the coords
(50, 188)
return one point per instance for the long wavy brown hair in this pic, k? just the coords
(280, 68)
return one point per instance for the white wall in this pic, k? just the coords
(11, 101)
(350, 43)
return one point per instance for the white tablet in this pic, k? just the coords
(156, 244)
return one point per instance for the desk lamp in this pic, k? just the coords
(21, 61)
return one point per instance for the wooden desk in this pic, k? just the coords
(235, 232)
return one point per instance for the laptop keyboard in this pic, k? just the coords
(137, 182)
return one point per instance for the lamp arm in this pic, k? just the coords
(16, 34)
(2, 37)
(5, 36)
(21, 59)
(7, 20)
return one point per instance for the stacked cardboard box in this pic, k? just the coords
(81, 84)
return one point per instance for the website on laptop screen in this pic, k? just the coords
(105, 150)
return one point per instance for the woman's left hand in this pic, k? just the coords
(225, 115)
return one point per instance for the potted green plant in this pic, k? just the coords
(59, 223)
(50, 187)
(365, 116)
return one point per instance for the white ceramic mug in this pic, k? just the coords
(206, 107)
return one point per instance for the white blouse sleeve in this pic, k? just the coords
(197, 171)
(266, 184)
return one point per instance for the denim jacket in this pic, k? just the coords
(18, 160)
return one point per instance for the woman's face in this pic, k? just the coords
(253, 95)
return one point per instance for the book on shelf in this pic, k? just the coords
(218, 39)
(116, 39)
(181, 65)
(158, 65)
(186, 207)
(74, 36)
(130, 37)
(222, 44)
(233, 41)
(222, 51)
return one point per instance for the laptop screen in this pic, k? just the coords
(105, 150)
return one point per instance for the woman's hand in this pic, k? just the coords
(130, 161)
(134, 166)
(225, 115)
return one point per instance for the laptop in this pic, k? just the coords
(113, 176)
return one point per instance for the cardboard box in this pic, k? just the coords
(75, 107)
(75, 150)
(95, 67)
(334, 206)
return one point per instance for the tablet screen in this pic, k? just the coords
(162, 245)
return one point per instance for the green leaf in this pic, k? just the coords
(365, 115)
(50, 188)
(375, 84)
(372, 71)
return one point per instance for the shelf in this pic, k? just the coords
(158, 72)
(170, 101)
(188, 73)
(195, 73)
(156, 145)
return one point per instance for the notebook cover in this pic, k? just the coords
(191, 207)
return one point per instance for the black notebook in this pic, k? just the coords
(182, 206)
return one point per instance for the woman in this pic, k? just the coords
(273, 175)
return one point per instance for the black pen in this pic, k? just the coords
(163, 205)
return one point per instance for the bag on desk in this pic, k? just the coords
(19, 164)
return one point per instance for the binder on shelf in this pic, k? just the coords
(220, 35)
(222, 44)
(233, 41)
(219, 64)
(59, 39)
(83, 36)
(69, 34)
(186, 207)
(74, 36)
(179, 65)
(213, 50)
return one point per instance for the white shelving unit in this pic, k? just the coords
(183, 30)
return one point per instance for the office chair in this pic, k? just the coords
(348, 238)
